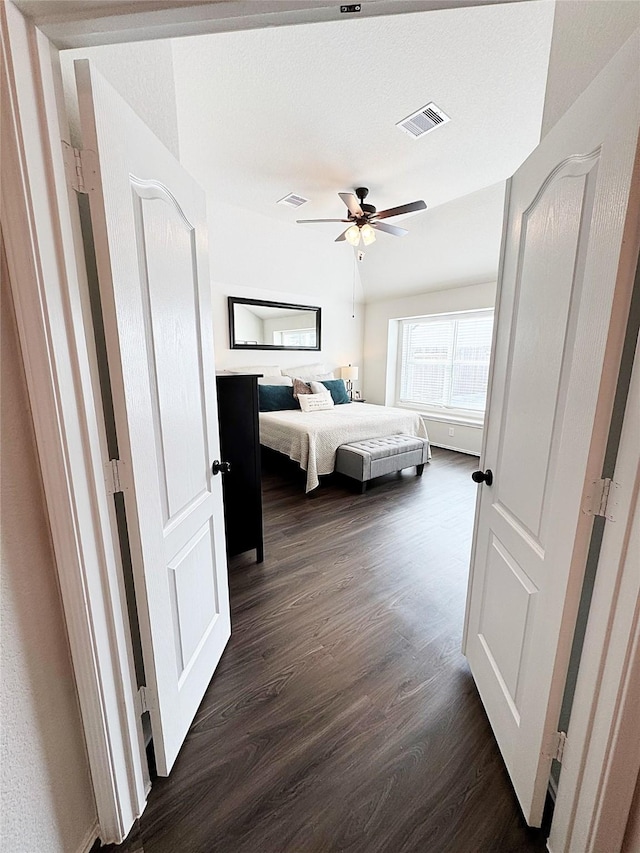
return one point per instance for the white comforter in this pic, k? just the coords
(311, 439)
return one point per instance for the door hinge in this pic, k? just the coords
(113, 478)
(144, 700)
(80, 166)
(556, 744)
(601, 499)
(560, 743)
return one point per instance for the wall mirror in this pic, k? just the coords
(258, 324)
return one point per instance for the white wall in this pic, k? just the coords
(265, 258)
(46, 794)
(451, 245)
(142, 72)
(341, 334)
(380, 352)
(257, 257)
(586, 34)
(247, 327)
(251, 255)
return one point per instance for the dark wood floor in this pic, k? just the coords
(342, 716)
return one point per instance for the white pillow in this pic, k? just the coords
(319, 388)
(307, 371)
(266, 369)
(276, 380)
(315, 402)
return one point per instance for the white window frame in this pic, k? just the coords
(447, 414)
(282, 332)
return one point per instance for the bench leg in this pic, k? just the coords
(419, 469)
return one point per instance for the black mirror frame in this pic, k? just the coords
(237, 300)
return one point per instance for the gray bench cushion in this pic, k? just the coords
(373, 457)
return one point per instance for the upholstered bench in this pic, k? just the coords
(373, 457)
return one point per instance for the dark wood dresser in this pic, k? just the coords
(240, 446)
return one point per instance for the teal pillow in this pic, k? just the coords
(337, 390)
(276, 398)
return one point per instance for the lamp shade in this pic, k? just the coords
(349, 373)
(352, 235)
(368, 234)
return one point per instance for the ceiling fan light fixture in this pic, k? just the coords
(368, 234)
(364, 219)
(352, 235)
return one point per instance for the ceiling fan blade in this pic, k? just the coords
(322, 220)
(352, 203)
(342, 236)
(403, 208)
(389, 229)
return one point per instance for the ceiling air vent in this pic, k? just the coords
(293, 200)
(421, 122)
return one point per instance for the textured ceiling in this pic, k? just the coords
(453, 245)
(312, 109)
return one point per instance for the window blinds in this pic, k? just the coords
(444, 360)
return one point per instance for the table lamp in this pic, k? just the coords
(349, 374)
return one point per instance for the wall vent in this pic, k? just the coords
(293, 200)
(423, 120)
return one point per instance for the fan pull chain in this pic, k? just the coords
(353, 295)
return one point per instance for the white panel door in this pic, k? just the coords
(563, 233)
(149, 224)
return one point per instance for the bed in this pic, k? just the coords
(311, 439)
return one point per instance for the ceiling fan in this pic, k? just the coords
(364, 219)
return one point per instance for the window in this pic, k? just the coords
(295, 338)
(444, 360)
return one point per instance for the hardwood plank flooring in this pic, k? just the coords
(343, 716)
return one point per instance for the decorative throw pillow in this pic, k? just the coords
(335, 387)
(300, 387)
(265, 369)
(276, 380)
(319, 388)
(308, 371)
(276, 398)
(315, 402)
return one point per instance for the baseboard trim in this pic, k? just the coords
(90, 838)
(457, 449)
